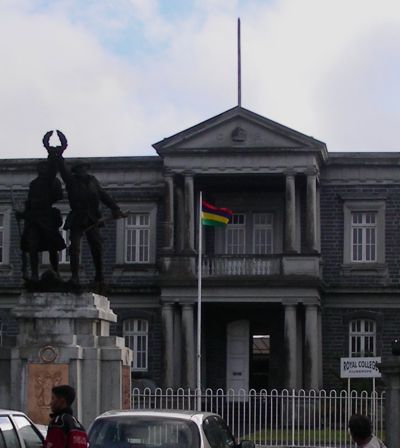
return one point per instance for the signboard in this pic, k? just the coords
(360, 367)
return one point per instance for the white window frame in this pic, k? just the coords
(364, 206)
(5, 229)
(267, 227)
(233, 227)
(139, 252)
(132, 336)
(145, 207)
(362, 335)
(364, 230)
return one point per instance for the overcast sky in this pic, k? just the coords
(119, 75)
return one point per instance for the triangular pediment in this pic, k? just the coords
(237, 128)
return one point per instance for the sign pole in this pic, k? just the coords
(373, 405)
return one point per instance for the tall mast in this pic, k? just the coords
(239, 61)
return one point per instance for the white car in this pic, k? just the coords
(161, 429)
(18, 431)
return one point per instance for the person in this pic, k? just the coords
(361, 432)
(85, 195)
(42, 220)
(64, 430)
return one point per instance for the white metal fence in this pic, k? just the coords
(286, 418)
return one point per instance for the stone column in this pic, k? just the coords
(167, 314)
(180, 220)
(169, 212)
(177, 347)
(189, 345)
(189, 213)
(290, 213)
(312, 348)
(390, 369)
(291, 345)
(311, 229)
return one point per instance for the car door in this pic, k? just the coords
(27, 432)
(8, 433)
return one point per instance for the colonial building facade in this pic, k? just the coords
(307, 271)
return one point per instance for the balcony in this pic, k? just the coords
(222, 266)
(240, 265)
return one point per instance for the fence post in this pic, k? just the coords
(390, 369)
(293, 415)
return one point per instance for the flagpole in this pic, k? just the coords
(199, 274)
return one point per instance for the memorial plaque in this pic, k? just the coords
(41, 379)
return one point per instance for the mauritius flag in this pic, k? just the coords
(214, 216)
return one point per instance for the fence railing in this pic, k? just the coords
(248, 265)
(286, 418)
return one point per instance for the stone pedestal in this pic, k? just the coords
(64, 338)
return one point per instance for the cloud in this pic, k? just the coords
(118, 75)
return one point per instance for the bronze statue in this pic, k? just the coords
(85, 195)
(42, 220)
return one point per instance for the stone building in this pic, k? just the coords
(306, 272)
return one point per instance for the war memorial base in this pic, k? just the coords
(64, 338)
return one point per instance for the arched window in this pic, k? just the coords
(362, 338)
(135, 332)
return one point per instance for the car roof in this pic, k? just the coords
(10, 411)
(184, 415)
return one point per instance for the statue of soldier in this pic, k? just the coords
(42, 220)
(85, 195)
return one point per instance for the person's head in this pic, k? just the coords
(61, 397)
(41, 168)
(80, 168)
(360, 428)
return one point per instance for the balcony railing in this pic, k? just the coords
(240, 265)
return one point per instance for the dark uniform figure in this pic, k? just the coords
(64, 430)
(85, 195)
(42, 220)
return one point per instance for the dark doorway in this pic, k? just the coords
(259, 361)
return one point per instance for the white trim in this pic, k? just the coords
(364, 206)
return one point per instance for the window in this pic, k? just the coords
(217, 433)
(263, 233)
(4, 235)
(236, 235)
(362, 338)
(8, 433)
(1, 236)
(363, 236)
(136, 235)
(135, 332)
(137, 238)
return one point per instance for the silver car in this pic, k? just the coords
(18, 431)
(166, 429)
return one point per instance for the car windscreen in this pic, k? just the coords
(143, 432)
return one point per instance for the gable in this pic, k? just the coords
(237, 128)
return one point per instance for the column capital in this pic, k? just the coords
(290, 173)
(187, 306)
(311, 171)
(167, 305)
(168, 174)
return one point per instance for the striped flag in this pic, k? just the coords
(214, 216)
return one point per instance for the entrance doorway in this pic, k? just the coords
(259, 361)
(237, 355)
